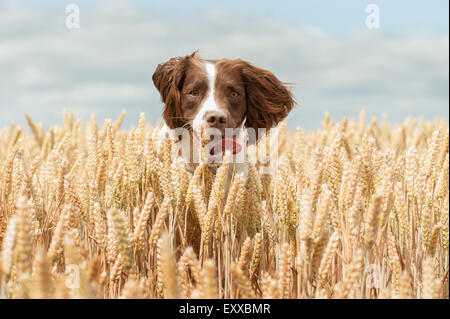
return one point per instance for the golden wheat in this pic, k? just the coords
(353, 210)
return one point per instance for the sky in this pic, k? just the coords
(335, 62)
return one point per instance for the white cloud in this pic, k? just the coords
(107, 64)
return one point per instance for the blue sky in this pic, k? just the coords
(331, 15)
(337, 64)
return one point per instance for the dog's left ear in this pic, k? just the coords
(168, 79)
(269, 100)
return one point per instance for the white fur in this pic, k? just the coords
(209, 104)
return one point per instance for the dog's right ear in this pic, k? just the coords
(168, 79)
(163, 77)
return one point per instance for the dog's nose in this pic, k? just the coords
(215, 119)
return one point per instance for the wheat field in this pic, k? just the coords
(353, 210)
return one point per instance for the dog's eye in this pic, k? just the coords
(194, 93)
(235, 94)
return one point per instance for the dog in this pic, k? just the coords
(216, 98)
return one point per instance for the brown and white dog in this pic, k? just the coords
(218, 96)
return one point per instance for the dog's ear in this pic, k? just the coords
(269, 100)
(168, 79)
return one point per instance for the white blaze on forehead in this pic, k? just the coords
(209, 104)
(211, 70)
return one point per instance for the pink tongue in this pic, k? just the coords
(226, 144)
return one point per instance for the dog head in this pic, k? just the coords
(220, 94)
